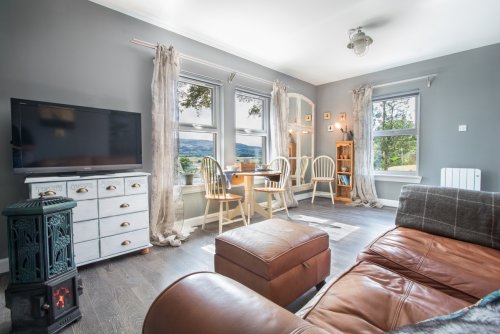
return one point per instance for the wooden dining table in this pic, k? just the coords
(247, 178)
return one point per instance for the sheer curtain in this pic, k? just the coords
(363, 191)
(165, 194)
(279, 131)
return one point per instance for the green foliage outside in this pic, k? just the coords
(394, 152)
(194, 96)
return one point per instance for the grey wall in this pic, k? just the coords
(77, 52)
(466, 91)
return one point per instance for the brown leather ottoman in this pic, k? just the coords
(276, 258)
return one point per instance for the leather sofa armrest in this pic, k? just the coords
(211, 303)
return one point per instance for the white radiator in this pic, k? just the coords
(463, 178)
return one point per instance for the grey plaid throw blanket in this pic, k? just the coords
(472, 216)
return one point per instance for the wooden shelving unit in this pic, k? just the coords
(344, 165)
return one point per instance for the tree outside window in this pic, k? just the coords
(394, 126)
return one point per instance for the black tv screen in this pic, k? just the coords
(50, 137)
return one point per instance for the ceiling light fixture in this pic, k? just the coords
(360, 42)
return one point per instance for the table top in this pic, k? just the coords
(258, 173)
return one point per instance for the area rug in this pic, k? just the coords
(335, 230)
(210, 248)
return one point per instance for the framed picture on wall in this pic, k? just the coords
(326, 115)
(308, 118)
(331, 128)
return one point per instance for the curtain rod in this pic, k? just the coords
(429, 77)
(232, 72)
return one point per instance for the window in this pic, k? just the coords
(198, 122)
(251, 114)
(395, 134)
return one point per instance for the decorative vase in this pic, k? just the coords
(189, 179)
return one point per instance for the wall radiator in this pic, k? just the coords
(463, 178)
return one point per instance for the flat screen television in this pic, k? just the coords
(51, 137)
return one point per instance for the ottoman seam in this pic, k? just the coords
(276, 256)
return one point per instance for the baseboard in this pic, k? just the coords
(389, 202)
(198, 221)
(4, 265)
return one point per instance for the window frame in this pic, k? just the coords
(415, 131)
(264, 133)
(217, 112)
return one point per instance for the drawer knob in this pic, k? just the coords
(125, 224)
(111, 187)
(124, 205)
(126, 243)
(47, 193)
(136, 185)
(82, 190)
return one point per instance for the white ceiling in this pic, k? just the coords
(307, 38)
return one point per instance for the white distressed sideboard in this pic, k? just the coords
(112, 213)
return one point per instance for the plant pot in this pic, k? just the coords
(189, 179)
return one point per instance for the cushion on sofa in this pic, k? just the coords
(372, 299)
(460, 269)
(467, 215)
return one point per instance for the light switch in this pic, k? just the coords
(462, 128)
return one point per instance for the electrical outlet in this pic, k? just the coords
(462, 128)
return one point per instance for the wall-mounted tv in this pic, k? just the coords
(51, 137)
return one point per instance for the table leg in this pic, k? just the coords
(249, 201)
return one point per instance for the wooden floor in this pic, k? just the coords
(118, 292)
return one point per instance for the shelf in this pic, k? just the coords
(344, 152)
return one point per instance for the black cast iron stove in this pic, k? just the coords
(44, 286)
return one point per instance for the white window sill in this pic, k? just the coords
(398, 178)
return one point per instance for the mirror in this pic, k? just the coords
(300, 140)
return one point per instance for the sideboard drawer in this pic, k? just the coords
(85, 210)
(110, 187)
(85, 230)
(48, 189)
(86, 251)
(122, 205)
(123, 223)
(123, 242)
(79, 190)
(136, 185)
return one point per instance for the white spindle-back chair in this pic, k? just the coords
(276, 187)
(215, 190)
(323, 170)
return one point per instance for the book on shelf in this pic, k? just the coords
(344, 180)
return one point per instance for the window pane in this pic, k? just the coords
(249, 112)
(195, 104)
(194, 146)
(249, 148)
(395, 153)
(396, 113)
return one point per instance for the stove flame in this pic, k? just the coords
(60, 296)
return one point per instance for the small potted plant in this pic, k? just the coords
(187, 169)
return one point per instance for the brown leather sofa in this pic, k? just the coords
(405, 276)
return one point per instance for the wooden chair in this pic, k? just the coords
(276, 187)
(304, 162)
(215, 190)
(323, 170)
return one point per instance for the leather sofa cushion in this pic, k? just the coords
(272, 247)
(372, 299)
(460, 269)
(210, 303)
